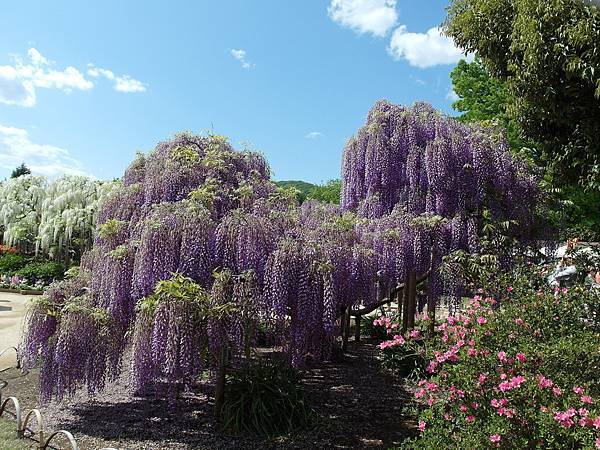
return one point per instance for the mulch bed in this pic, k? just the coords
(359, 408)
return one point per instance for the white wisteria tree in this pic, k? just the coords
(55, 218)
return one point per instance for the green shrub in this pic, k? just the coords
(11, 263)
(405, 361)
(42, 271)
(266, 398)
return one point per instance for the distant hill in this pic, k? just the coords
(328, 192)
(303, 186)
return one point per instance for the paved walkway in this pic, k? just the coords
(12, 311)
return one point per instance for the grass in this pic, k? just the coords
(8, 436)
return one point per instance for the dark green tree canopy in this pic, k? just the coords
(548, 53)
(21, 170)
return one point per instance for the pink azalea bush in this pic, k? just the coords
(521, 373)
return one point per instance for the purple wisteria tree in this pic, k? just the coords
(193, 250)
(198, 247)
(429, 183)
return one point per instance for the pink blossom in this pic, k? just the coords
(586, 399)
(415, 334)
(475, 405)
(556, 391)
(481, 320)
(596, 423)
(482, 378)
(544, 382)
(422, 425)
(463, 408)
(495, 403)
(471, 352)
(521, 357)
(470, 418)
(578, 390)
(519, 321)
(495, 438)
(502, 356)
(598, 442)
(510, 289)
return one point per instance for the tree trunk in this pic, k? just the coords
(220, 384)
(357, 322)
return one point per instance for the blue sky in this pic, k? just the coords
(84, 85)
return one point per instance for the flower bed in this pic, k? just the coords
(522, 374)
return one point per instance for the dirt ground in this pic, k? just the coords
(359, 408)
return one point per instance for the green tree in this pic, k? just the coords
(328, 192)
(484, 99)
(548, 53)
(21, 170)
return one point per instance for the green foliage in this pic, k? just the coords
(20, 170)
(110, 228)
(303, 188)
(328, 192)
(8, 435)
(11, 263)
(265, 397)
(483, 99)
(404, 361)
(548, 53)
(42, 271)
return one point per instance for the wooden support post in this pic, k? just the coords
(357, 324)
(412, 301)
(345, 328)
(431, 314)
(220, 383)
(405, 298)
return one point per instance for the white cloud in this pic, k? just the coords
(121, 83)
(365, 16)
(424, 49)
(18, 82)
(313, 135)
(452, 95)
(240, 55)
(43, 159)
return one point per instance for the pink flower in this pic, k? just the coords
(475, 405)
(510, 289)
(471, 352)
(521, 357)
(544, 382)
(586, 399)
(596, 423)
(519, 321)
(415, 334)
(482, 378)
(598, 442)
(422, 425)
(495, 403)
(495, 438)
(463, 408)
(481, 320)
(578, 390)
(556, 391)
(470, 418)
(502, 356)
